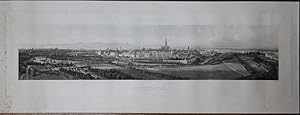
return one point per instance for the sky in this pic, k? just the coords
(146, 24)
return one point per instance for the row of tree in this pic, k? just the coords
(77, 75)
(111, 74)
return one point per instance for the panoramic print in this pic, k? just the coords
(131, 42)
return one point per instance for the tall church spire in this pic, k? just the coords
(166, 41)
(165, 47)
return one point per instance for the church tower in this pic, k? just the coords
(166, 42)
(165, 47)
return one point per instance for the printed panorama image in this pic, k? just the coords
(147, 42)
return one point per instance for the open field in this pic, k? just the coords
(44, 76)
(220, 71)
(238, 68)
